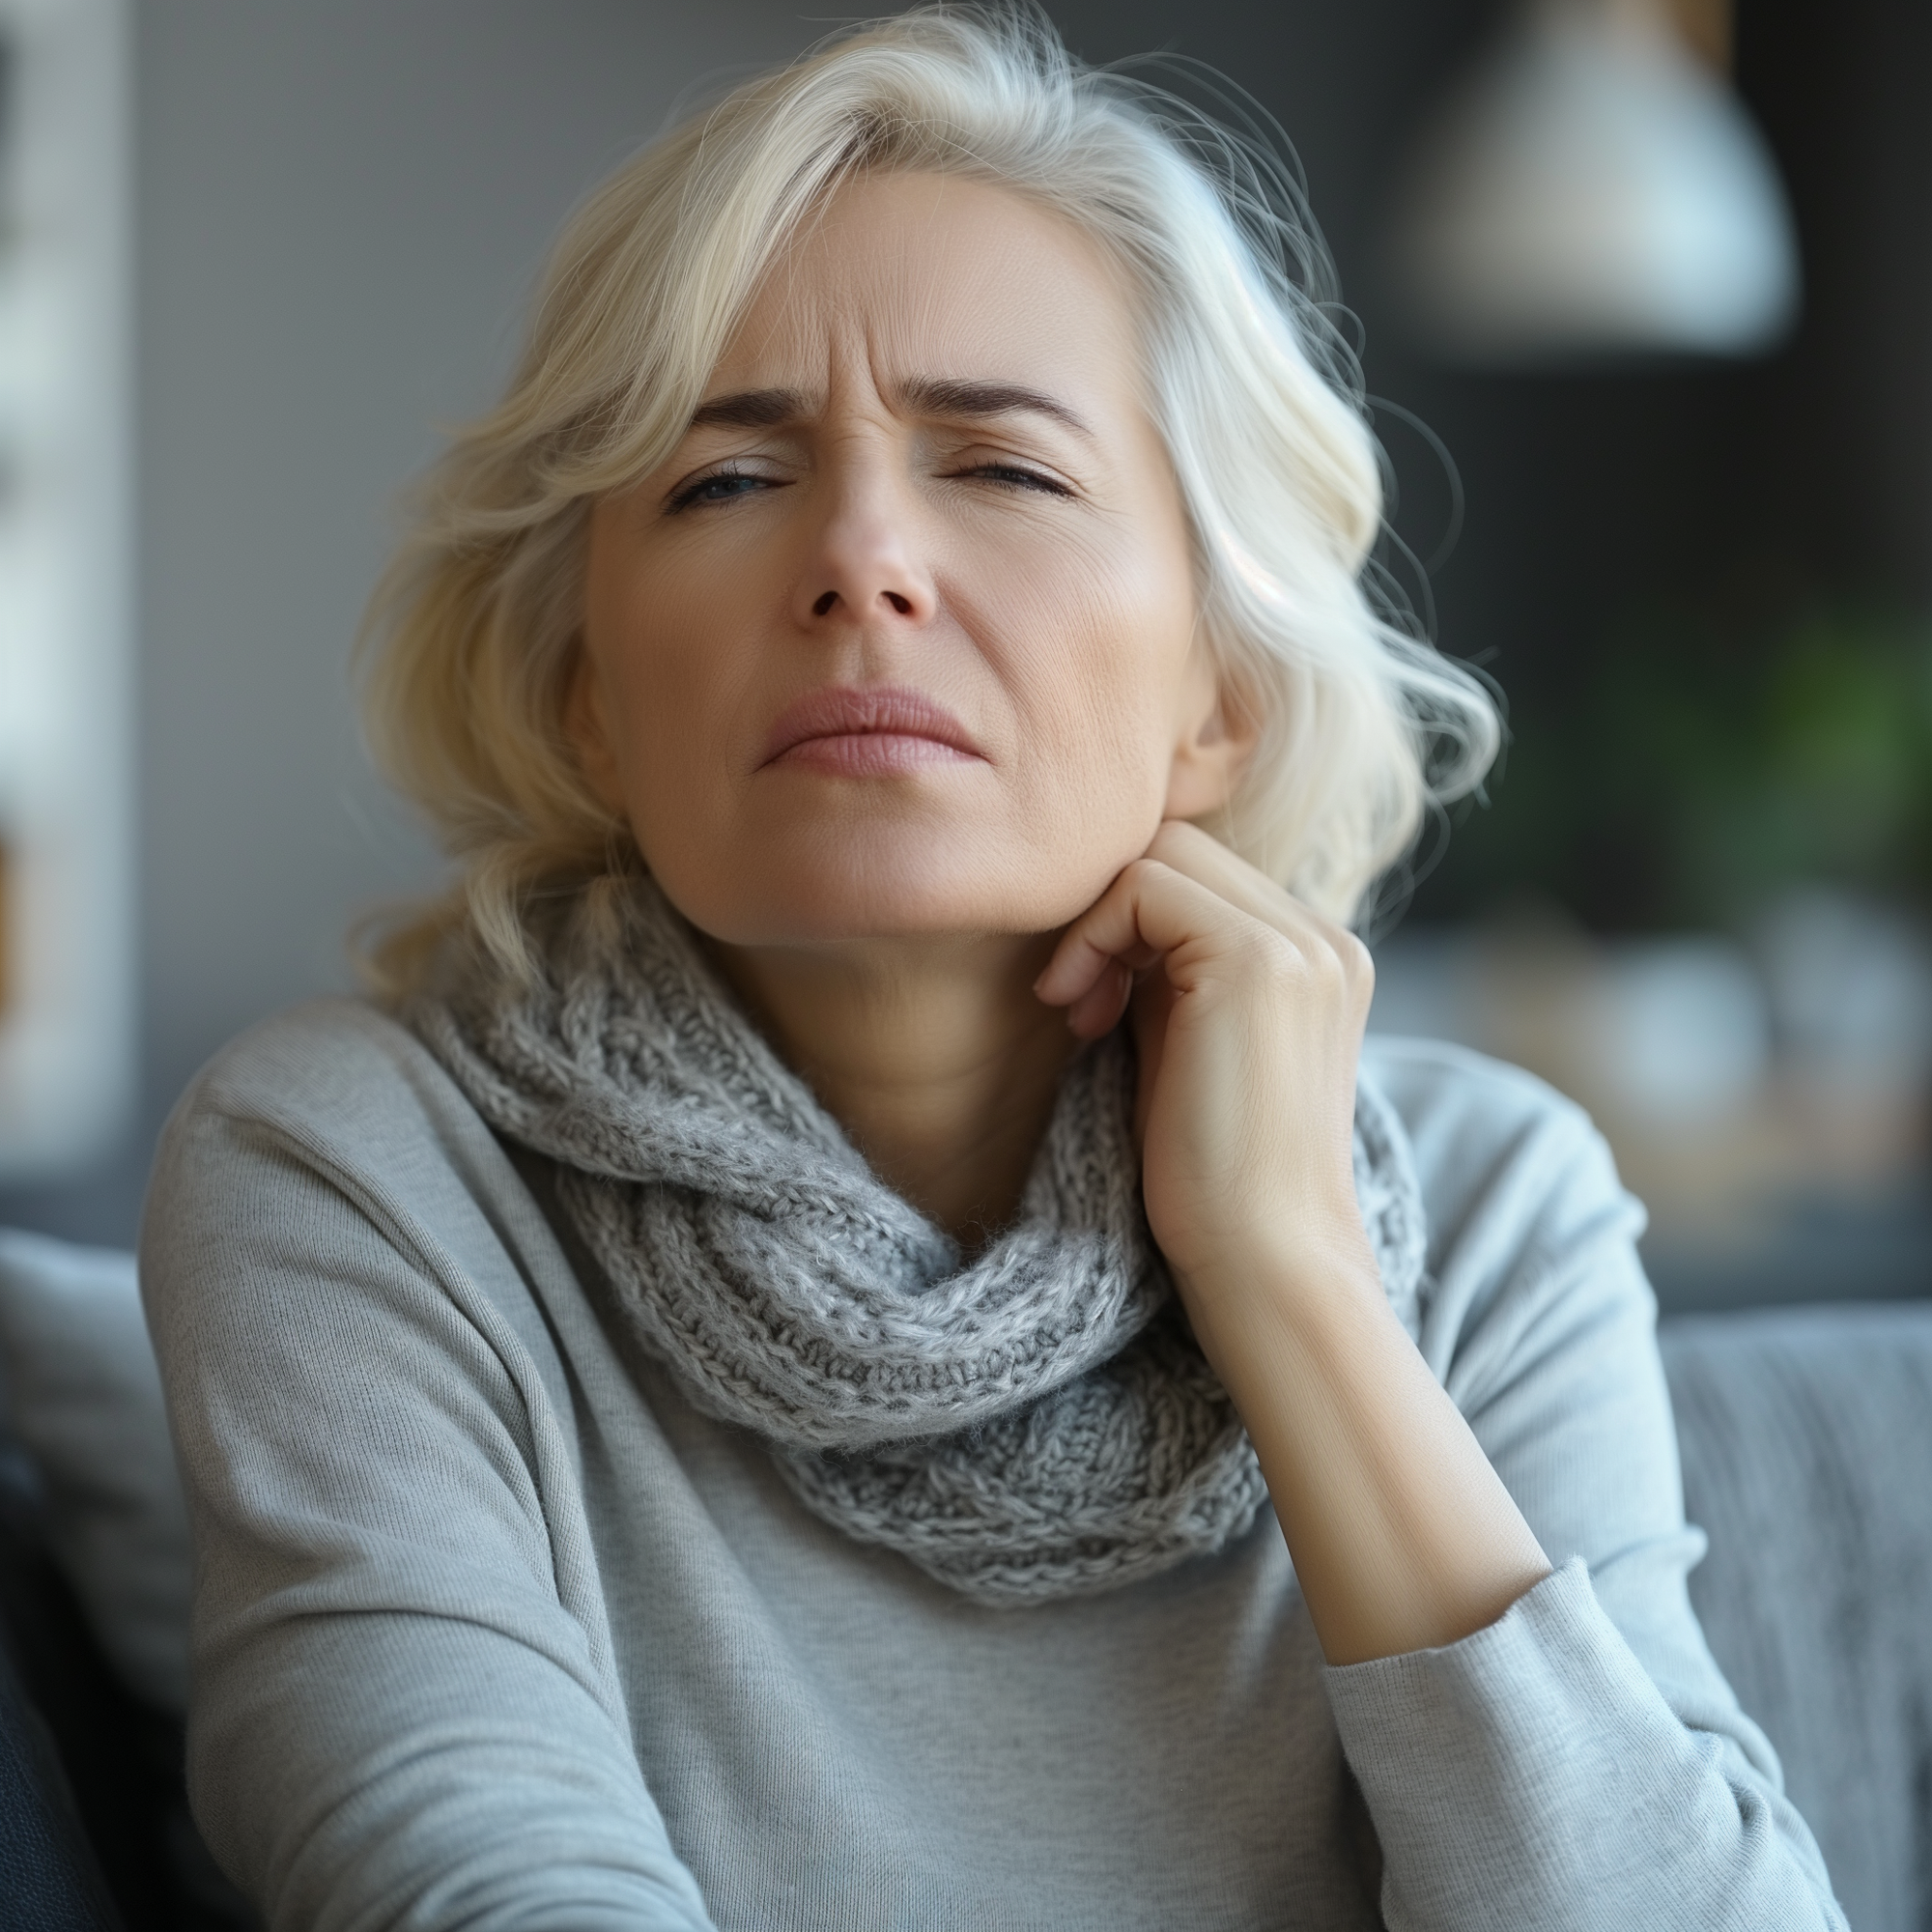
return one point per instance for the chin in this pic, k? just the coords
(833, 890)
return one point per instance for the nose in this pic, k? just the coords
(863, 567)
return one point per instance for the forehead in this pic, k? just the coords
(932, 275)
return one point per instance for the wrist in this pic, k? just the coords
(1282, 1289)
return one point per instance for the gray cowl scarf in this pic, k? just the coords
(1035, 1424)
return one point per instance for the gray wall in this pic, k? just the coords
(340, 211)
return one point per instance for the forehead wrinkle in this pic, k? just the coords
(893, 326)
(905, 333)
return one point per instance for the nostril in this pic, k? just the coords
(902, 605)
(825, 603)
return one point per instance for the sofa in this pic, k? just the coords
(1807, 1443)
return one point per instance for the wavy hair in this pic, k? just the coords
(473, 631)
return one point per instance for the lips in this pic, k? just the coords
(867, 732)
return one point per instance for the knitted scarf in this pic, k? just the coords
(1035, 1422)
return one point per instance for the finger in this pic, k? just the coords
(1148, 911)
(1098, 1009)
(1200, 855)
(1187, 849)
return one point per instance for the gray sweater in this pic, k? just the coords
(492, 1630)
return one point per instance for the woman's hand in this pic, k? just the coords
(1249, 1009)
(1248, 1014)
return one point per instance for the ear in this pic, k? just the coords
(587, 725)
(1215, 736)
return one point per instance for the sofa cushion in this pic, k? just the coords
(1806, 1440)
(52, 1882)
(79, 1391)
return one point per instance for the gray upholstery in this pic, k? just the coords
(80, 1393)
(1806, 1438)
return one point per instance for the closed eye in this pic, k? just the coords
(1015, 477)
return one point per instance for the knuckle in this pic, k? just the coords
(1338, 973)
(1275, 956)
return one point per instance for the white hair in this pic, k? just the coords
(475, 632)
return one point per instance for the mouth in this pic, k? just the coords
(864, 733)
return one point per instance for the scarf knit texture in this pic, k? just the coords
(1035, 1422)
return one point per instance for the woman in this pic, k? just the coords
(750, 1390)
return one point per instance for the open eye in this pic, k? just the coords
(720, 486)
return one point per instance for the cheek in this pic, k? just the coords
(661, 648)
(1098, 638)
(660, 631)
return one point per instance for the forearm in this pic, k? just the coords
(1404, 1537)
(347, 1774)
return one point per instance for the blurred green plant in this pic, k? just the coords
(1697, 768)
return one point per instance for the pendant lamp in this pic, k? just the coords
(1594, 189)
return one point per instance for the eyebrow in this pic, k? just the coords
(923, 395)
(947, 396)
(751, 409)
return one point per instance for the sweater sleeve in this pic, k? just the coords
(405, 1711)
(1582, 1763)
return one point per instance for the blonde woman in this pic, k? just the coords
(853, 1340)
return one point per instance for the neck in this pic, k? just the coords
(934, 1056)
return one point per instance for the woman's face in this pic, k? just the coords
(899, 642)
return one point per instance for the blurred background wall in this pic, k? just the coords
(340, 210)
